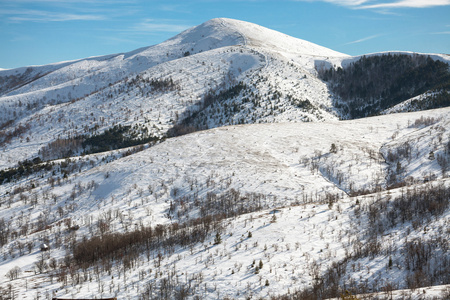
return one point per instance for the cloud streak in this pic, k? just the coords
(442, 32)
(376, 4)
(408, 4)
(152, 25)
(346, 2)
(363, 39)
(60, 11)
(350, 3)
(87, 2)
(47, 16)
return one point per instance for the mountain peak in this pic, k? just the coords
(215, 33)
(223, 32)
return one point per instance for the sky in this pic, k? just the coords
(38, 32)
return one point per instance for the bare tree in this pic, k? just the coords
(13, 273)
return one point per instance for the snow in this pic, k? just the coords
(263, 158)
(276, 157)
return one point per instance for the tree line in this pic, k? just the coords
(374, 83)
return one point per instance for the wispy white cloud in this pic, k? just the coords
(47, 16)
(408, 3)
(442, 32)
(363, 39)
(351, 3)
(22, 38)
(385, 4)
(67, 10)
(347, 2)
(175, 8)
(154, 25)
(114, 40)
(95, 2)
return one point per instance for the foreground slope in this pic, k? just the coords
(222, 200)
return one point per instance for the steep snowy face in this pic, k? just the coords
(210, 35)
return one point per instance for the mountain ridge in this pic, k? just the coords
(275, 77)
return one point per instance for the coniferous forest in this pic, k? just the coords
(375, 83)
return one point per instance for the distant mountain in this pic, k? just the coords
(375, 83)
(230, 161)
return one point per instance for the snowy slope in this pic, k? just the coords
(274, 173)
(276, 165)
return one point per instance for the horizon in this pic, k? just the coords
(40, 32)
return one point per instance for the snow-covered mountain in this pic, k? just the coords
(103, 194)
(222, 72)
(209, 58)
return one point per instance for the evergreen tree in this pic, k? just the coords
(217, 239)
(333, 148)
(431, 155)
(399, 168)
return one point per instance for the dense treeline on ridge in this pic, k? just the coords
(374, 83)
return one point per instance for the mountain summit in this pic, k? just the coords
(223, 32)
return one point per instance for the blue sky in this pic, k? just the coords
(36, 32)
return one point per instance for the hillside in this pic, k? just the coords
(215, 165)
(242, 172)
